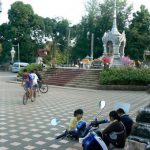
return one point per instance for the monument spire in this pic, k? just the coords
(114, 29)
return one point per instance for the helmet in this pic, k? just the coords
(81, 125)
(93, 143)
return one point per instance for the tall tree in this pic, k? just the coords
(5, 33)
(56, 31)
(138, 34)
(24, 27)
(99, 20)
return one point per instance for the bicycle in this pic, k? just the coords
(43, 87)
(27, 96)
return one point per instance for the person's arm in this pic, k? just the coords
(39, 76)
(108, 129)
(22, 80)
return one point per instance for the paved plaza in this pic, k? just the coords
(26, 127)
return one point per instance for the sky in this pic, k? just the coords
(73, 10)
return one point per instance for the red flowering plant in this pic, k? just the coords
(106, 60)
(126, 61)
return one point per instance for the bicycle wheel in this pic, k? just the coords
(25, 98)
(34, 96)
(43, 88)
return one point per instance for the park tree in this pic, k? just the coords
(85, 29)
(25, 28)
(56, 32)
(24, 24)
(138, 34)
(32, 32)
(98, 20)
(5, 34)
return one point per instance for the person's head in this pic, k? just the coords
(113, 115)
(25, 70)
(31, 71)
(35, 70)
(78, 113)
(120, 111)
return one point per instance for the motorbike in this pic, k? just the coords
(89, 135)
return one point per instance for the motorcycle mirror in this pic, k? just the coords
(54, 121)
(102, 104)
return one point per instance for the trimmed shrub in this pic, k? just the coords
(125, 76)
(29, 68)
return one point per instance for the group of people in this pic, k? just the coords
(115, 134)
(31, 80)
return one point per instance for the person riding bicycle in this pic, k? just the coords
(39, 77)
(38, 74)
(27, 78)
(35, 82)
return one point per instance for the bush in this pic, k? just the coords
(5, 67)
(29, 68)
(125, 76)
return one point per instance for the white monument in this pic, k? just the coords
(114, 42)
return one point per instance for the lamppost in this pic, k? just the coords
(12, 54)
(68, 47)
(0, 6)
(92, 43)
(18, 52)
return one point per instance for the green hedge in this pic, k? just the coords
(29, 68)
(125, 76)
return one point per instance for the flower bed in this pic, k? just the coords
(125, 76)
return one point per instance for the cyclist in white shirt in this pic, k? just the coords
(35, 81)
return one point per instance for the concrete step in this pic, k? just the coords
(73, 78)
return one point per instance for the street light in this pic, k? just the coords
(68, 47)
(12, 54)
(18, 52)
(92, 43)
(0, 6)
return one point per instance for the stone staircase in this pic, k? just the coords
(81, 78)
(88, 79)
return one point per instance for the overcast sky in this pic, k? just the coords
(72, 10)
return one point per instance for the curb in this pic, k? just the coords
(105, 87)
(123, 87)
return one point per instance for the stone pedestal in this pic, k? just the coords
(134, 145)
(116, 61)
(141, 129)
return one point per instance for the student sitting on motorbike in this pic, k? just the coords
(126, 120)
(76, 124)
(78, 114)
(115, 134)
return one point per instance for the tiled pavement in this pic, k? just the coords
(28, 127)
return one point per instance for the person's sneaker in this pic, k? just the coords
(63, 135)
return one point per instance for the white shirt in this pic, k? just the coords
(35, 78)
